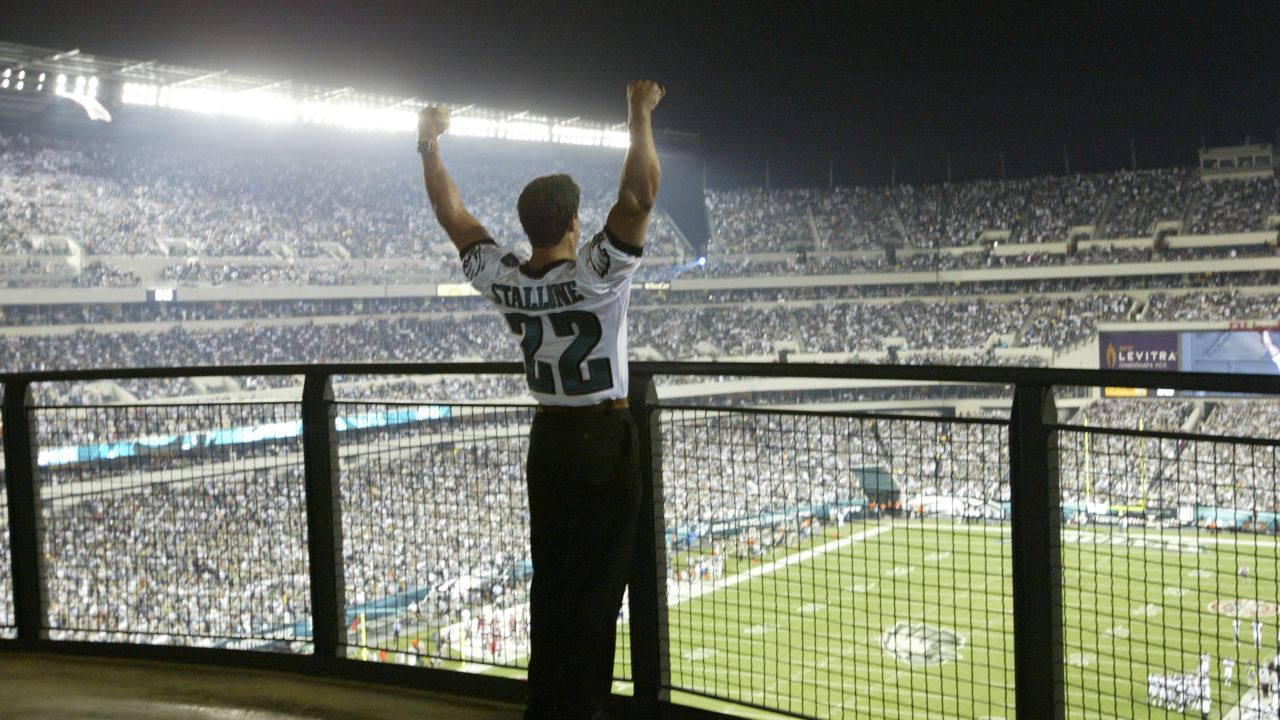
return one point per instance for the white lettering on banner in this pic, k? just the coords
(1149, 356)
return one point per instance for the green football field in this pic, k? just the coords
(914, 620)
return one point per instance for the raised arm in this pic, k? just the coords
(461, 226)
(641, 173)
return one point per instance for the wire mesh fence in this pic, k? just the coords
(1170, 557)
(818, 564)
(174, 524)
(435, 515)
(838, 565)
(435, 533)
(7, 628)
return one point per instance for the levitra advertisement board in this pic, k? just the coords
(1138, 351)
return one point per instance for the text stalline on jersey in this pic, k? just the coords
(538, 297)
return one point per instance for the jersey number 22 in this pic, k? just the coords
(585, 330)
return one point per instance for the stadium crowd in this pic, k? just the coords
(1215, 305)
(1227, 206)
(726, 465)
(1035, 210)
(175, 557)
(191, 560)
(1229, 475)
(1146, 197)
(723, 330)
(123, 198)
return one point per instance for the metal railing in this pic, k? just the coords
(813, 564)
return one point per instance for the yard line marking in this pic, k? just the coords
(678, 593)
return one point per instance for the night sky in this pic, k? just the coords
(865, 86)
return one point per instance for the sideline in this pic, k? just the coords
(679, 593)
(1250, 703)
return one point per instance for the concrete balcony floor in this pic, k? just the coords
(36, 687)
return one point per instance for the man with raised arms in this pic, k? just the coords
(568, 308)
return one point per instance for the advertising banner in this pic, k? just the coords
(1138, 351)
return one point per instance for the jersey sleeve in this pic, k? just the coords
(483, 261)
(607, 261)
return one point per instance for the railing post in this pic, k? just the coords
(30, 599)
(650, 638)
(324, 514)
(1037, 571)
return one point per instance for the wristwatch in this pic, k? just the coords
(428, 146)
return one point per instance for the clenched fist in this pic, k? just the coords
(644, 94)
(432, 122)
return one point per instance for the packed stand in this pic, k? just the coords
(1216, 305)
(853, 218)
(1117, 468)
(201, 562)
(118, 198)
(1222, 252)
(720, 465)
(448, 542)
(1234, 475)
(944, 458)
(976, 207)
(845, 326)
(94, 314)
(1057, 204)
(760, 221)
(181, 562)
(1228, 206)
(1061, 323)
(401, 340)
(1145, 197)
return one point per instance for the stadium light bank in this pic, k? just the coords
(279, 108)
(97, 83)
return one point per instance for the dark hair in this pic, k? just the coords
(547, 206)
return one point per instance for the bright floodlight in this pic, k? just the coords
(527, 131)
(617, 139)
(702, 261)
(576, 136)
(380, 115)
(62, 80)
(473, 127)
(22, 74)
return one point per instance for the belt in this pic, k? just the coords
(615, 404)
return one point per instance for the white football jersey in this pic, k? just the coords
(570, 316)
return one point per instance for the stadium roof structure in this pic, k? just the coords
(47, 73)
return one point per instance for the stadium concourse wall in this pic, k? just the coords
(1053, 272)
(1035, 533)
(249, 292)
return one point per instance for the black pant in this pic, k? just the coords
(584, 494)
